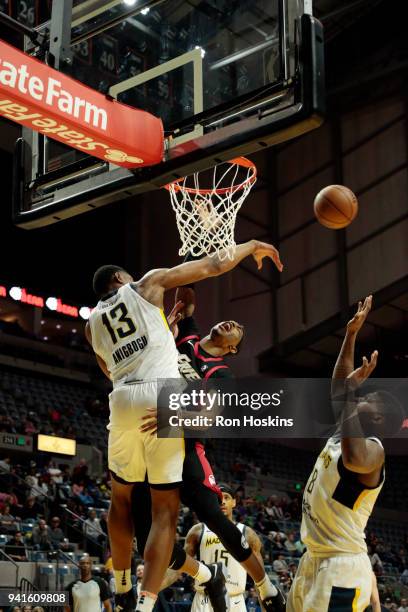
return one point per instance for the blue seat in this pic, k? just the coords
(47, 570)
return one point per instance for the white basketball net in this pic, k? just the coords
(206, 217)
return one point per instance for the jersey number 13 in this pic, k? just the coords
(118, 323)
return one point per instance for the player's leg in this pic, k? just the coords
(341, 584)
(179, 561)
(302, 583)
(201, 497)
(164, 465)
(120, 525)
(159, 545)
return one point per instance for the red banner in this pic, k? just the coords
(47, 101)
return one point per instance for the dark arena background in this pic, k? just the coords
(54, 482)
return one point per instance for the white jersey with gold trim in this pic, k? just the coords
(211, 550)
(133, 338)
(336, 506)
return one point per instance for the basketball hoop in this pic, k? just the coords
(206, 216)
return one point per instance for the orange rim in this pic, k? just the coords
(238, 161)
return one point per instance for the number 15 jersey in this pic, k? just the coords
(133, 338)
(336, 506)
(211, 550)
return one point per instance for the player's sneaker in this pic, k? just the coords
(215, 588)
(125, 602)
(276, 603)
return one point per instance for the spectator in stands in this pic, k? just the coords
(252, 602)
(404, 576)
(290, 544)
(80, 472)
(5, 464)
(7, 424)
(292, 570)
(56, 534)
(103, 522)
(374, 558)
(30, 427)
(66, 547)
(7, 521)
(280, 565)
(404, 605)
(32, 481)
(15, 548)
(79, 491)
(260, 525)
(278, 541)
(41, 536)
(31, 509)
(92, 530)
(139, 578)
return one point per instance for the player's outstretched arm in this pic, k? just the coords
(359, 454)
(194, 271)
(345, 361)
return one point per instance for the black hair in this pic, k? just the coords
(224, 488)
(102, 278)
(391, 409)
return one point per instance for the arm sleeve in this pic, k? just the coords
(187, 328)
(70, 598)
(105, 592)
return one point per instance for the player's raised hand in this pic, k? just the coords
(174, 317)
(356, 323)
(150, 422)
(262, 250)
(360, 375)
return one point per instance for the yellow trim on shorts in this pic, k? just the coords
(163, 316)
(355, 600)
(360, 498)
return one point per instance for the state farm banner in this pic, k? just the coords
(47, 101)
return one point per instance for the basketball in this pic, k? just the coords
(335, 206)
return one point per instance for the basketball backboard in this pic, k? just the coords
(227, 78)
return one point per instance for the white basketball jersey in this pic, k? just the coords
(133, 338)
(211, 550)
(336, 506)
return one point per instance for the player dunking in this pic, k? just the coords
(204, 358)
(206, 546)
(335, 573)
(134, 347)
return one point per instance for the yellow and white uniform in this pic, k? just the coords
(133, 338)
(211, 550)
(335, 573)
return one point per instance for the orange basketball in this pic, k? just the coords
(335, 206)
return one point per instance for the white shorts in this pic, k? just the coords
(133, 454)
(201, 603)
(333, 584)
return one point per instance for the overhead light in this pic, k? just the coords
(129, 2)
(45, 338)
(58, 326)
(202, 50)
(15, 293)
(42, 322)
(85, 312)
(74, 331)
(145, 10)
(51, 303)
